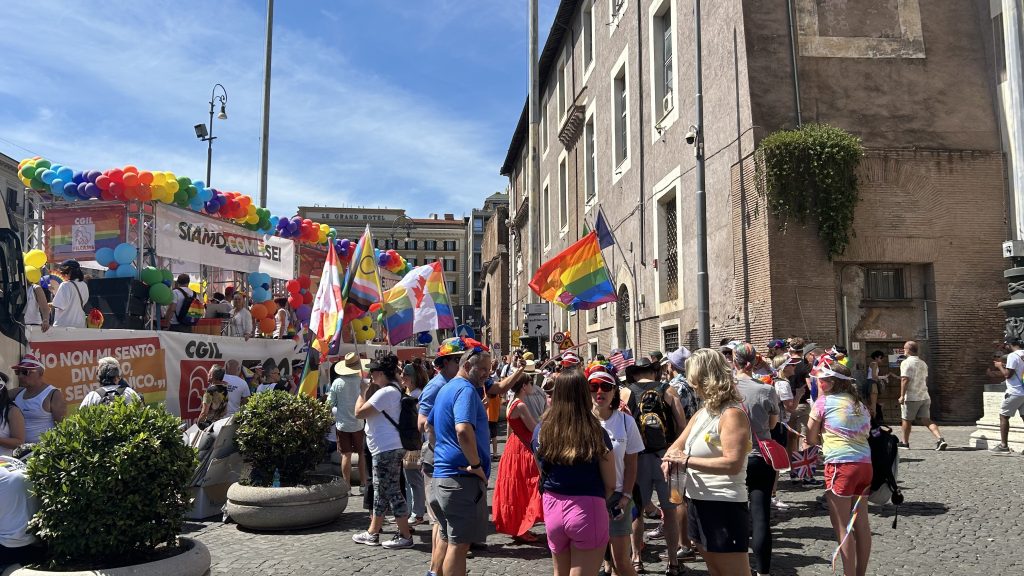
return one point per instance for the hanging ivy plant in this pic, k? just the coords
(812, 172)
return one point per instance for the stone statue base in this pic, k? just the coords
(987, 434)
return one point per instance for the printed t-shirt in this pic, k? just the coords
(916, 371)
(237, 389)
(625, 436)
(846, 424)
(582, 479)
(382, 435)
(458, 402)
(1014, 363)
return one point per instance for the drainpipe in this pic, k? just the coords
(1015, 81)
(796, 69)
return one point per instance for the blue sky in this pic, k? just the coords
(400, 103)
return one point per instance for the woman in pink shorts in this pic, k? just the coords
(841, 422)
(577, 477)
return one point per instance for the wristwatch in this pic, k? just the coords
(476, 466)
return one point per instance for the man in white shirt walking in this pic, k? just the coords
(914, 400)
(1013, 401)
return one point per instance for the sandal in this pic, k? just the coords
(638, 566)
(525, 538)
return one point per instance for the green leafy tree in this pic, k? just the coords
(283, 432)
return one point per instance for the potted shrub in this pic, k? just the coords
(280, 437)
(112, 486)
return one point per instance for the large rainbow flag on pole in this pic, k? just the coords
(419, 302)
(575, 279)
(362, 282)
(326, 318)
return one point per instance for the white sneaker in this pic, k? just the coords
(366, 538)
(398, 542)
(778, 503)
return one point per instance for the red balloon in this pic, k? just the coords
(374, 307)
(103, 182)
(307, 222)
(295, 301)
(130, 179)
(307, 298)
(129, 169)
(129, 193)
(108, 195)
(116, 189)
(293, 286)
(116, 175)
(304, 282)
(146, 177)
(144, 192)
(112, 266)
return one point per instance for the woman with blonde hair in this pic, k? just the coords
(577, 470)
(711, 458)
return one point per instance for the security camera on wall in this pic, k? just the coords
(691, 137)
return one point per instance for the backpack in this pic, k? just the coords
(191, 310)
(407, 425)
(884, 462)
(653, 416)
(111, 392)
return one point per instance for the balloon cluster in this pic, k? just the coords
(159, 281)
(363, 328)
(119, 260)
(264, 308)
(424, 338)
(392, 262)
(344, 248)
(300, 297)
(259, 282)
(34, 262)
(130, 183)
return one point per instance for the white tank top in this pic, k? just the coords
(5, 432)
(704, 442)
(37, 420)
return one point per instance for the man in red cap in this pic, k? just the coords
(41, 404)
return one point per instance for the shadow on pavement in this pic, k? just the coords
(912, 508)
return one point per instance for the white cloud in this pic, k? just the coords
(123, 83)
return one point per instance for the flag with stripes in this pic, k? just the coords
(621, 358)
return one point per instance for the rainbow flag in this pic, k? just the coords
(326, 318)
(310, 376)
(419, 302)
(362, 282)
(575, 279)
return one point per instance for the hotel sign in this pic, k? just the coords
(349, 217)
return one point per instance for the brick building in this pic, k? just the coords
(493, 284)
(914, 79)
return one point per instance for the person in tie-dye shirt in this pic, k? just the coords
(840, 422)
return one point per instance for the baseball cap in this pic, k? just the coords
(28, 362)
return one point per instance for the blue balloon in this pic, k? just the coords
(196, 204)
(204, 194)
(48, 176)
(424, 338)
(199, 184)
(66, 174)
(125, 253)
(104, 256)
(128, 271)
(211, 207)
(110, 274)
(78, 178)
(71, 191)
(57, 187)
(274, 220)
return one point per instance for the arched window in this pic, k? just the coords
(622, 318)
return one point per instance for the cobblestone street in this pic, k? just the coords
(962, 516)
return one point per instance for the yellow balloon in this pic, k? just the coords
(252, 219)
(32, 274)
(251, 211)
(35, 258)
(194, 286)
(159, 179)
(172, 185)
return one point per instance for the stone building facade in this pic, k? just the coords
(493, 275)
(913, 79)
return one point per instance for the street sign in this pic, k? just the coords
(516, 343)
(496, 347)
(566, 343)
(557, 337)
(465, 331)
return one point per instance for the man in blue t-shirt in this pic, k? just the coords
(462, 458)
(447, 364)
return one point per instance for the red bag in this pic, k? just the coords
(774, 454)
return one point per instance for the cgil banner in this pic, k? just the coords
(79, 232)
(184, 235)
(166, 367)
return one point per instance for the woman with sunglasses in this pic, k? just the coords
(517, 505)
(840, 422)
(577, 474)
(626, 444)
(12, 422)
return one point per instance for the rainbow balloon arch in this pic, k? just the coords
(139, 193)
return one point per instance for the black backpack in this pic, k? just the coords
(884, 459)
(111, 392)
(653, 416)
(407, 425)
(182, 315)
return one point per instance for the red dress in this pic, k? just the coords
(517, 505)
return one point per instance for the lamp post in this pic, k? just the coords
(205, 133)
(697, 131)
(402, 221)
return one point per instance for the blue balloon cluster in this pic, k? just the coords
(260, 284)
(70, 185)
(119, 260)
(424, 338)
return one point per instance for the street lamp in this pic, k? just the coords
(402, 221)
(205, 133)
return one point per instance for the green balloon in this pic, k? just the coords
(28, 171)
(160, 294)
(42, 164)
(166, 275)
(152, 275)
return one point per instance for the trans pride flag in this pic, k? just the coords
(326, 318)
(575, 279)
(419, 302)
(362, 283)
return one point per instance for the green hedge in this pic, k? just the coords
(283, 432)
(812, 172)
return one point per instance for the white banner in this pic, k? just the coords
(191, 237)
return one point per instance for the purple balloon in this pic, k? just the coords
(92, 175)
(71, 190)
(211, 207)
(78, 178)
(303, 313)
(92, 190)
(345, 244)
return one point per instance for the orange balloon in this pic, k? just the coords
(259, 312)
(267, 325)
(271, 307)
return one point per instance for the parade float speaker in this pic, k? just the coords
(123, 301)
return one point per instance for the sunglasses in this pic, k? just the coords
(602, 386)
(23, 371)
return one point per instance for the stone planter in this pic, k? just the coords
(261, 508)
(193, 562)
